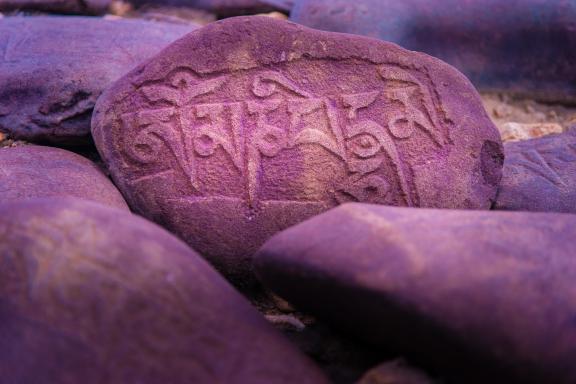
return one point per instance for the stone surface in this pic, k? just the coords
(518, 131)
(284, 5)
(33, 171)
(220, 7)
(52, 70)
(251, 124)
(477, 296)
(493, 43)
(540, 174)
(89, 294)
(82, 7)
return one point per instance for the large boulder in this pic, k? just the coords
(54, 68)
(524, 46)
(250, 125)
(33, 171)
(477, 296)
(90, 294)
(540, 174)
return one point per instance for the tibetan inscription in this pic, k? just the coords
(251, 125)
(279, 115)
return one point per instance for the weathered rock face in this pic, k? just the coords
(33, 171)
(95, 295)
(250, 125)
(475, 294)
(82, 7)
(52, 70)
(493, 43)
(540, 175)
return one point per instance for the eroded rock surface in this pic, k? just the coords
(33, 171)
(540, 174)
(52, 70)
(250, 125)
(524, 46)
(475, 295)
(96, 295)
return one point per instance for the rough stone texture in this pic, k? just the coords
(52, 70)
(480, 296)
(83, 7)
(33, 171)
(528, 46)
(89, 294)
(540, 174)
(251, 124)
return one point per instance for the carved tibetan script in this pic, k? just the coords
(192, 120)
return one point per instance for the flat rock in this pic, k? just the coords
(80, 7)
(52, 70)
(33, 171)
(476, 296)
(540, 174)
(250, 125)
(91, 294)
(526, 46)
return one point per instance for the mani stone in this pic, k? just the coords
(540, 174)
(521, 46)
(83, 7)
(52, 70)
(34, 171)
(90, 294)
(250, 125)
(475, 294)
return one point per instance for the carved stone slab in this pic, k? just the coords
(90, 294)
(250, 125)
(526, 46)
(81, 7)
(473, 295)
(540, 174)
(52, 70)
(33, 171)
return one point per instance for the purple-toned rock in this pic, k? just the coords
(284, 5)
(52, 70)
(82, 7)
(477, 295)
(250, 125)
(526, 46)
(220, 7)
(90, 294)
(33, 171)
(540, 174)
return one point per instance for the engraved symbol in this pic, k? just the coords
(404, 88)
(367, 139)
(534, 161)
(247, 132)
